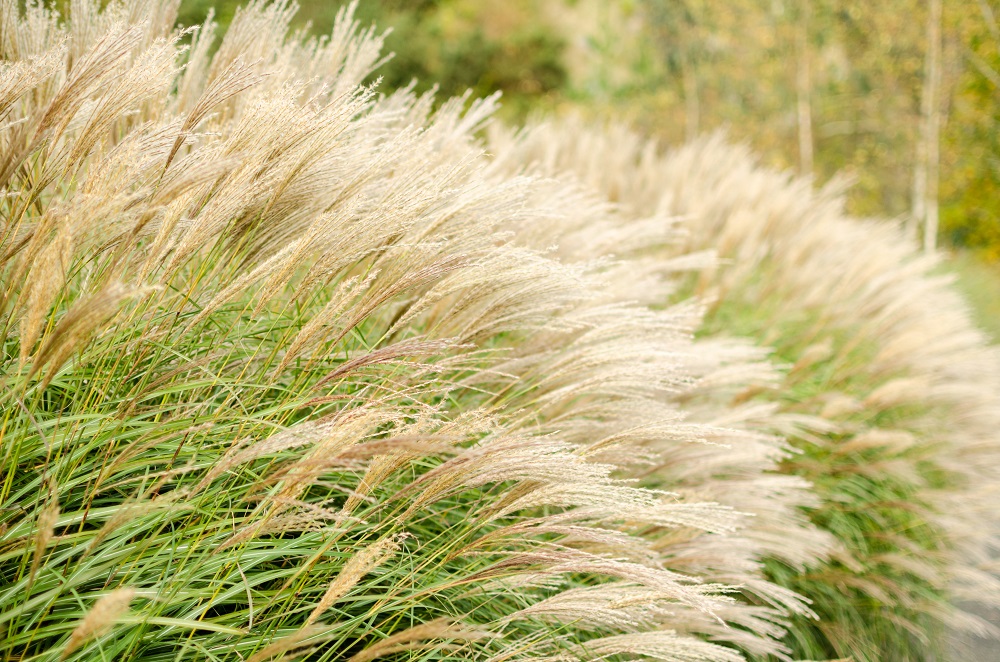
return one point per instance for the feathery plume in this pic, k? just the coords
(421, 637)
(100, 618)
(363, 562)
(45, 529)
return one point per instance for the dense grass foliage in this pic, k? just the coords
(890, 393)
(291, 370)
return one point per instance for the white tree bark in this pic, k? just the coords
(925, 210)
(803, 89)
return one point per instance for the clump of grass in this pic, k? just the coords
(288, 371)
(890, 392)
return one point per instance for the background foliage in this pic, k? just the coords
(456, 45)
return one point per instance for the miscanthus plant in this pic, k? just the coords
(890, 394)
(290, 370)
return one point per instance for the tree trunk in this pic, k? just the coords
(926, 172)
(803, 86)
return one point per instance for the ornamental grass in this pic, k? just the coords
(889, 393)
(292, 370)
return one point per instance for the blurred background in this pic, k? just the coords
(902, 96)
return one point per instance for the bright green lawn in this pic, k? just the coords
(979, 281)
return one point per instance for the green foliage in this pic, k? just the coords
(696, 66)
(120, 440)
(970, 216)
(868, 609)
(451, 45)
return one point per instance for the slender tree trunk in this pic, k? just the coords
(692, 106)
(934, 129)
(803, 87)
(926, 172)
